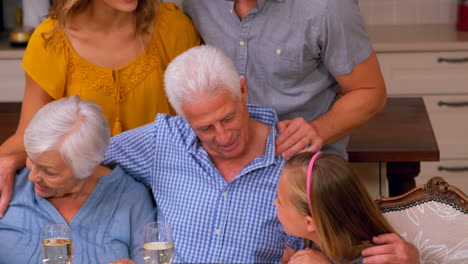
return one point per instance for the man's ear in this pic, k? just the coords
(310, 224)
(243, 86)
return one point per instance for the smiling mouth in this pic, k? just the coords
(229, 147)
(39, 188)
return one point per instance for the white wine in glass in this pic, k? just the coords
(158, 247)
(56, 244)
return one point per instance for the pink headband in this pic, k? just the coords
(309, 178)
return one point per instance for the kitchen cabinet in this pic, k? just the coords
(12, 81)
(441, 79)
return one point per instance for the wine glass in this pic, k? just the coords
(56, 244)
(158, 247)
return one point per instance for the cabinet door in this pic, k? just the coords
(374, 177)
(425, 72)
(455, 172)
(11, 81)
(449, 119)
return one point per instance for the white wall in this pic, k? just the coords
(384, 12)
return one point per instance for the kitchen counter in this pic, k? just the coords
(419, 38)
(7, 51)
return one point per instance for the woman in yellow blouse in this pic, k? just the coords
(113, 52)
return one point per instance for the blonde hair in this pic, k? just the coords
(63, 10)
(345, 215)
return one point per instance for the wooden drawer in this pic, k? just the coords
(450, 124)
(455, 172)
(424, 73)
(11, 81)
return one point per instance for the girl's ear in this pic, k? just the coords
(310, 224)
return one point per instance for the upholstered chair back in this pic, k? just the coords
(434, 217)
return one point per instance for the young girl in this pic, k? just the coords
(321, 200)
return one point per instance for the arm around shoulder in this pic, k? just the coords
(12, 153)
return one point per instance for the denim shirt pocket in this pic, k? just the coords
(281, 64)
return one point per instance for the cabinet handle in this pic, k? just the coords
(452, 169)
(452, 60)
(452, 104)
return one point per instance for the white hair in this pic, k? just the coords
(75, 128)
(200, 71)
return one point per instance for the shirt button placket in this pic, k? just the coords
(242, 48)
(219, 224)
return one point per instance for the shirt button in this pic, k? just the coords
(278, 51)
(218, 231)
(242, 43)
(242, 76)
(225, 193)
(231, 11)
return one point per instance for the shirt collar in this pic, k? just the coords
(260, 3)
(259, 113)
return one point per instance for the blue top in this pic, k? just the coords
(108, 227)
(213, 221)
(290, 51)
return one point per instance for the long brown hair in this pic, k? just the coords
(345, 215)
(63, 10)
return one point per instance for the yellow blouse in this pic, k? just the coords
(130, 96)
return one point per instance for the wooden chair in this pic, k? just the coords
(434, 217)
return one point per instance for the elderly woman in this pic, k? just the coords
(104, 208)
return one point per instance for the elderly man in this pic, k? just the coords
(213, 169)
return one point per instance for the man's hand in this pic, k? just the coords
(309, 256)
(123, 261)
(7, 180)
(391, 248)
(294, 136)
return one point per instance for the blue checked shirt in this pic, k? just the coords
(213, 221)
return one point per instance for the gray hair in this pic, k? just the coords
(75, 128)
(202, 70)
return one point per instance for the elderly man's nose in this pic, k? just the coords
(223, 136)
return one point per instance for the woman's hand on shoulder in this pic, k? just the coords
(123, 261)
(309, 256)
